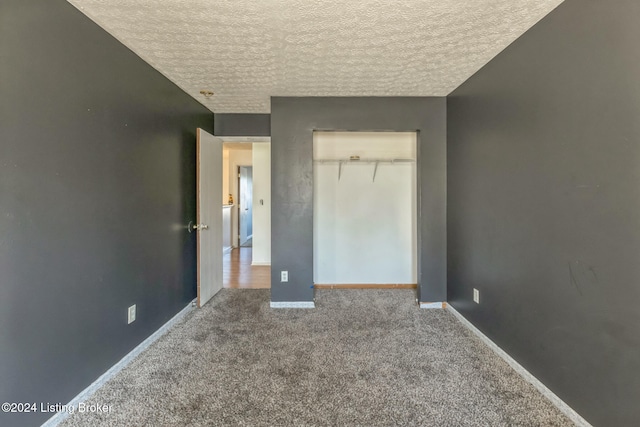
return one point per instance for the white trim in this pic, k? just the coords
(115, 369)
(260, 263)
(555, 400)
(293, 304)
(244, 138)
(432, 305)
(227, 250)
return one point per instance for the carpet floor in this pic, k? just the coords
(360, 358)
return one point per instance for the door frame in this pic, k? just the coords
(233, 182)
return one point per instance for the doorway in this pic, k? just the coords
(245, 200)
(247, 188)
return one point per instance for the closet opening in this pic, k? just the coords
(365, 209)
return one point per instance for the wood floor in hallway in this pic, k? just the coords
(240, 274)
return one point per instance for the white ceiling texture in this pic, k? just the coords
(249, 50)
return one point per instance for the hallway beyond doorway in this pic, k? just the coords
(245, 206)
(239, 273)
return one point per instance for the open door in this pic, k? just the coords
(209, 222)
(246, 205)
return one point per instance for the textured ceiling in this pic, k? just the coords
(248, 50)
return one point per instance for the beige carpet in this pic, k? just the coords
(361, 358)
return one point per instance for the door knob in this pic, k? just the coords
(200, 227)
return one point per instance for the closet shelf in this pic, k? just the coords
(376, 162)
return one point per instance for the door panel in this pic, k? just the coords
(209, 222)
(246, 204)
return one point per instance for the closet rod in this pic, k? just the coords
(376, 162)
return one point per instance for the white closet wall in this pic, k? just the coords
(365, 230)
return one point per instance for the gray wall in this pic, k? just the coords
(293, 121)
(232, 124)
(97, 168)
(544, 205)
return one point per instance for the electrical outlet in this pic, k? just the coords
(284, 276)
(131, 314)
(476, 296)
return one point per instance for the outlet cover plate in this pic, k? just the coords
(131, 314)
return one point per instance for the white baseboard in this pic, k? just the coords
(432, 305)
(227, 250)
(260, 263)
(555, 400)
(113, 371)
(293, 304)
